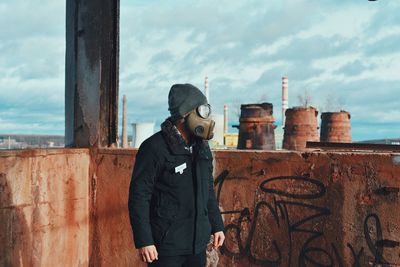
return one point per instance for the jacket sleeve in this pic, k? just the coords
(214, 215)
(140, 192)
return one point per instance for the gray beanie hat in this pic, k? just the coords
(183, 98)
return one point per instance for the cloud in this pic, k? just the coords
(32, 51)
(162, 57)
(344, 51)
(24, 120)
(23, 20)
(246, 50)
(355, 67)
(384, 46)
(311, 48)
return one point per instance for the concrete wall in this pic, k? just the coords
(280, 208)
(44, 207)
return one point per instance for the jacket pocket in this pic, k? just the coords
(204, 231)
(166, 207)
(175, 171)
(160, 227)
(180, 235)
(206, 174)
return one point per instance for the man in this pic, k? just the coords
(172, 204)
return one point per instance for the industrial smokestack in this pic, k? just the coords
(285, 98)
(225, 119)
(124, 124)
(335, 127)
(206, 89)
(256, 128)
(300, 126)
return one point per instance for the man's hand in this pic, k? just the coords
(148, 253)
(219, 238)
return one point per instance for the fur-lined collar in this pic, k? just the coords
(175, 140)
(171, 133)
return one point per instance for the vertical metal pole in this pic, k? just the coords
(206, 92)
(225, 119)
(124, 124)
(91, 73)
(285, 98)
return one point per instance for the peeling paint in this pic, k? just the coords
(326, 208)
(337, 186)
(44, 208)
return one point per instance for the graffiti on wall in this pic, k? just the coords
(268, 234)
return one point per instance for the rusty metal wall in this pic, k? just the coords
(44, 206)
(280, 208)
(309, 209)
(112, 238)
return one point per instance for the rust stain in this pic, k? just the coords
(279, 209)
(42, 194)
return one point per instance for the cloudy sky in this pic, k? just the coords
(344, 54)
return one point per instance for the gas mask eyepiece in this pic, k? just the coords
(204, 111)
(199, 122)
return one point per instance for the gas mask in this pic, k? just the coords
(199, 123)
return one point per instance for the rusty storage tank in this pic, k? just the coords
(335, 127)
(256, 129)
(300, 126)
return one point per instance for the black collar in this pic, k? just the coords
(177, 144)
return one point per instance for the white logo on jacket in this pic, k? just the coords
(180, 168)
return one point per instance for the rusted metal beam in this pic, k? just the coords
(91, 73)
(352, 146)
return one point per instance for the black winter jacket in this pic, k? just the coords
(172, 203)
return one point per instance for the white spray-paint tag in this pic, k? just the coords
(180, 168)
